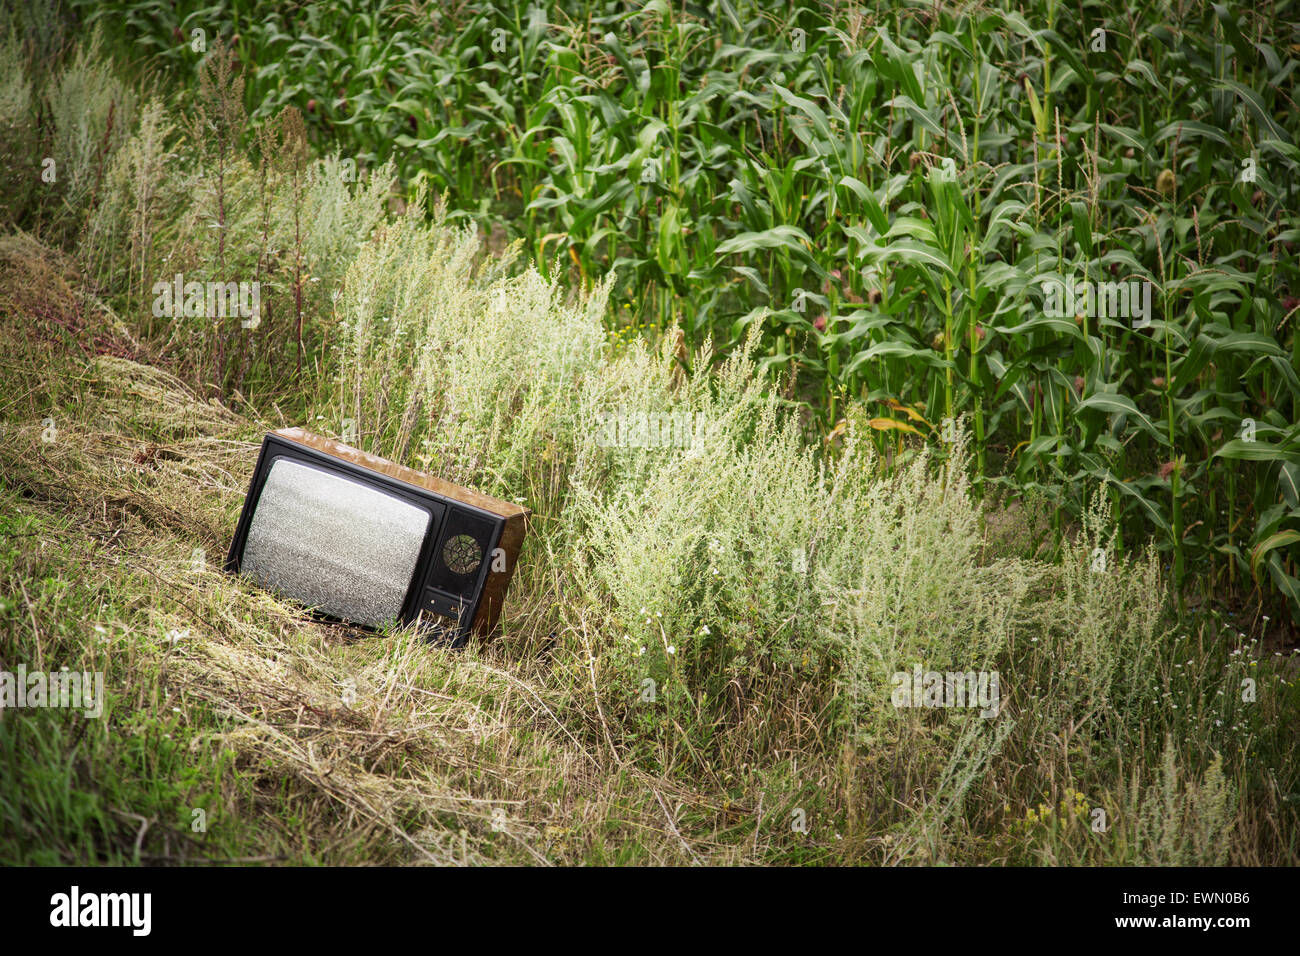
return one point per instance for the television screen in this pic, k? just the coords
(342, 547)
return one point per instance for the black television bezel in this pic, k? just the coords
(275, 446)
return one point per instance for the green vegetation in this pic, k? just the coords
(700, 645)
(787, 168)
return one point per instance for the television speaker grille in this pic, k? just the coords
(459, 558)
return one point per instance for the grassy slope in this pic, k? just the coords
(242, 715)
(512, 751)
(100, 527)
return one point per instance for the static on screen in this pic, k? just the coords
(334, 544)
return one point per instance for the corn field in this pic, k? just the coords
(887, 190)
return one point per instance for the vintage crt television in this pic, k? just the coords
(364, 540)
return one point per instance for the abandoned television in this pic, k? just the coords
(360, 539)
